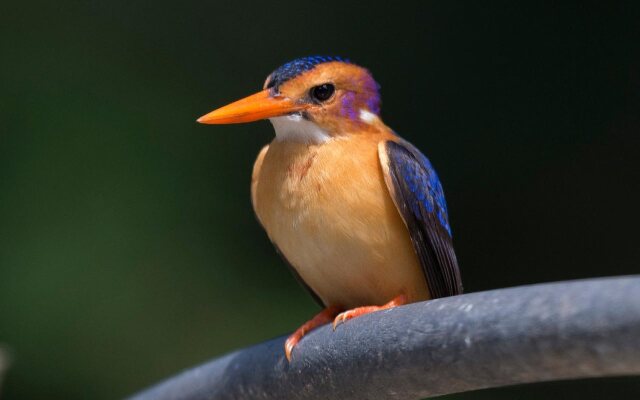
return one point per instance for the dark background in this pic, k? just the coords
(128, 246)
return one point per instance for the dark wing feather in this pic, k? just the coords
(418, 195)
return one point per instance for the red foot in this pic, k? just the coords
(325, 316)
(356, 312)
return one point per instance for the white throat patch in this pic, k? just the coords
(297, 129)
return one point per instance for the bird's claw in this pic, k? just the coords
(358, 311)
(321, 318)
(289, 344)
(342, 318)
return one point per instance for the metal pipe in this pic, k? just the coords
(563, 330)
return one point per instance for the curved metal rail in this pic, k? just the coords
(535, 333)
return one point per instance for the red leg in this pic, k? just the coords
(356, 312)
(323, 317)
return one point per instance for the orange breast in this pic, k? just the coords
(329, 211)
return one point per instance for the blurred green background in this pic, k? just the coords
(129, 249)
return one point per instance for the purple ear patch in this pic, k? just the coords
(296, 67)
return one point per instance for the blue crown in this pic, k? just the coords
(296, 67)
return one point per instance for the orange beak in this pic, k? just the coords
(257, 106)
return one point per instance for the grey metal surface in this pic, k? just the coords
(536, 333)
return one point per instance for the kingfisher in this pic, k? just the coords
(357, 212)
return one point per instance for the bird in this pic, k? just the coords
(357, 212)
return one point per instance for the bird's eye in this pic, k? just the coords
(322, 92)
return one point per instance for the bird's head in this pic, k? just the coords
(311, 100)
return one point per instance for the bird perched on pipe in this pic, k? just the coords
(357, 212)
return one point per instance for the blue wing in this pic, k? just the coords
(418, 195)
